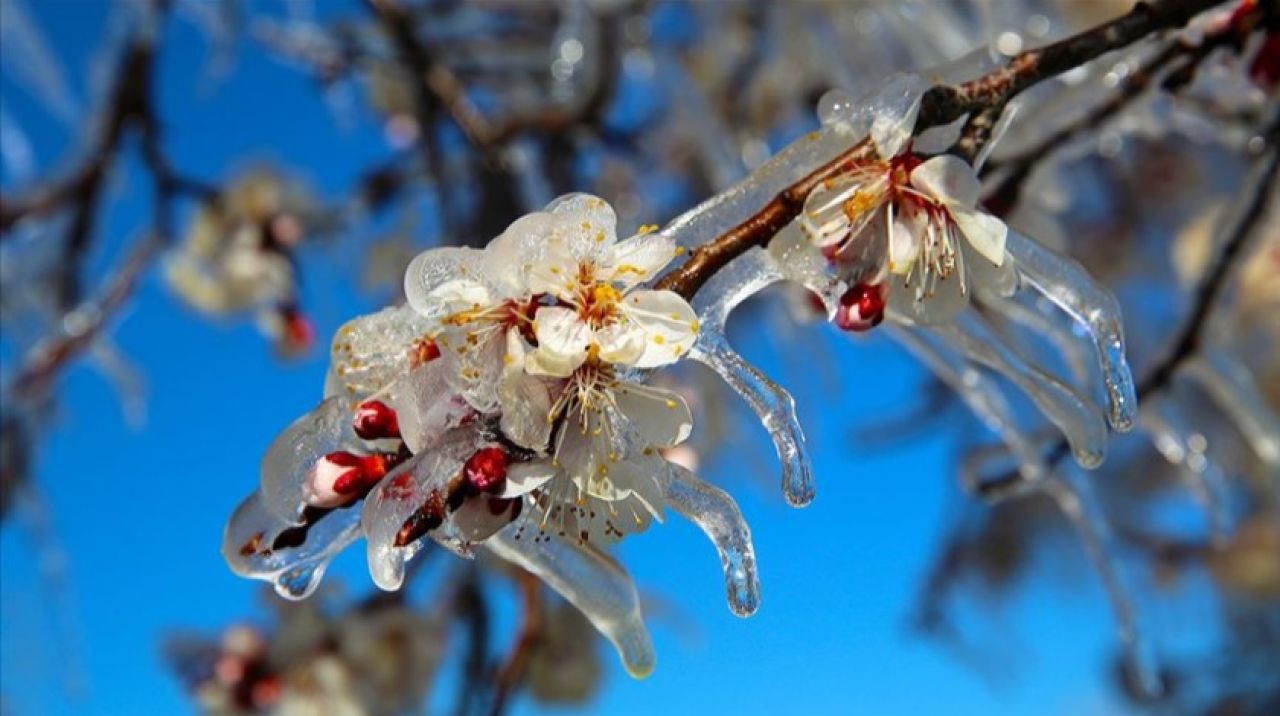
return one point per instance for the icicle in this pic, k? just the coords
(1232, 387)
(981, 394)
(1182, 446)
(773, 405)
(1078, 505)
(743, 278)
(1067, 284)
(715, 512)
(1081, 424)
(250, 546)
(1039, 321)
(591, 581)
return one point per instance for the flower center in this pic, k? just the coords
(597, 300)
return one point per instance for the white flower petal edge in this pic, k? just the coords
(668, 324)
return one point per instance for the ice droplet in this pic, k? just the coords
(716, 514)
(259, 545)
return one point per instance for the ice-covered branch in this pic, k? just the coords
(939, 105)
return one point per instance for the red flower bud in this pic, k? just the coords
(861, 308)
(340, 476)
(486, 470)
(374, 420)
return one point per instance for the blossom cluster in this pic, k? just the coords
(507, 404)
(238, 257)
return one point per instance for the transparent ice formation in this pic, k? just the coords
(593, 582)
(718, 516)
(260, 545)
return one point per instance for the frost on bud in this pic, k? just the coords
(374, 420)
(486, 470)
(861, 308)
(340, 477)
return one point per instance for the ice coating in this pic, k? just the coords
(773, 405)
(1078, 504)
(370, 352)
(798, 260)
(1068, 285)
(982, 395)
(291, 456)
(425, 405)
(1232, 387)
(1081, 424)
(712, 217)
(402, 492)
(252, 547)
(430, 270)
(888, 114)
(742, 278)
(1175, 439)
(716, 514)
(591, 581)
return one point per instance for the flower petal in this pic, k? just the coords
(637, 259)
(480, 517)
(621, 342)
(948, 178)
(426, 406)
(904, 240)
(986, 233)
(512, 254)
(661, 416)
(563, 339)
(669, 323)
(895, 108)
(525, 400)
(592, 215)
(554, 271)
(525, 477)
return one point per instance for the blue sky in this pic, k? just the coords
(138, 510)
